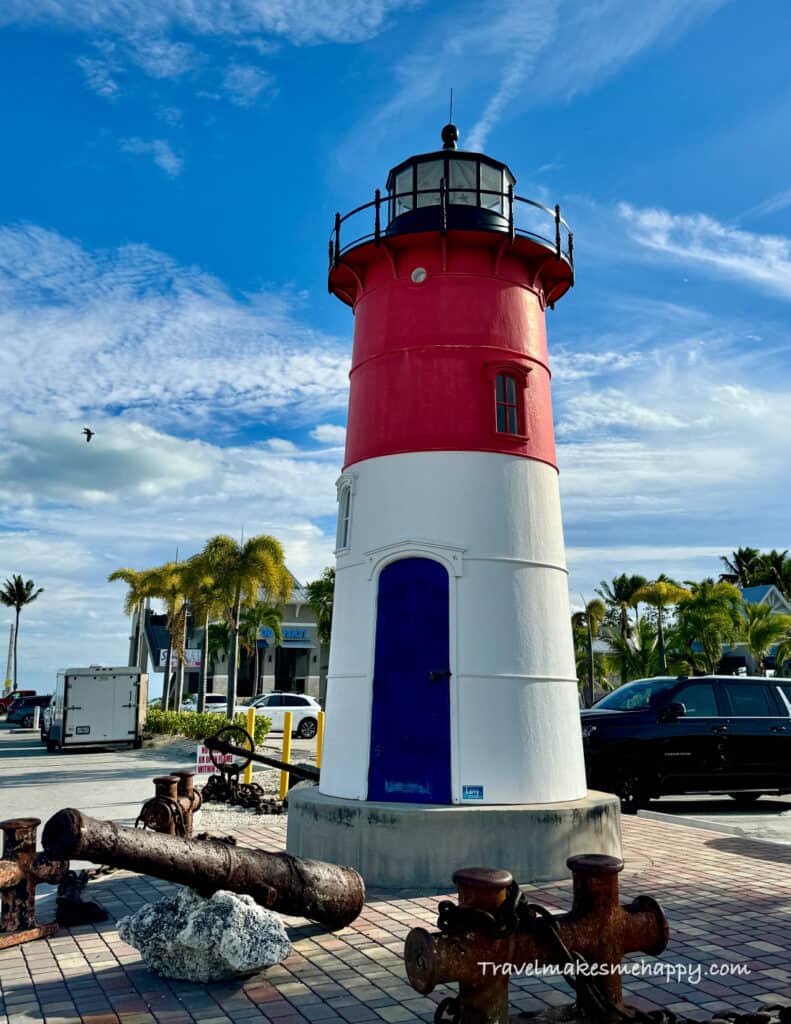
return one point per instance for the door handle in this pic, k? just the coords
(719, 729)
(437, 674)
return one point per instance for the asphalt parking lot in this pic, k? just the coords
(104, 783)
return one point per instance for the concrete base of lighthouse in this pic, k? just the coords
(406, 845)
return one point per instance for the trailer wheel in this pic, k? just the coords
(52, 747)
(138, 743)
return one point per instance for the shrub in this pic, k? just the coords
(198, 727)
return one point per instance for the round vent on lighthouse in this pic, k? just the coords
(418, 275)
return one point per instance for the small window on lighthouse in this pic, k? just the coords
(344, 517)
(505, 398)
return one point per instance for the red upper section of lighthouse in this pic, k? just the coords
(449, 298)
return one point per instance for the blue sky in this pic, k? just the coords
(170, 175)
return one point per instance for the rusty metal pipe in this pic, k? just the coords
(326, 893)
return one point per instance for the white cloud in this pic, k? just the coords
(244, 83)
(329, 433)
(302, 22)
(161, 58)
(773, 204)
(101, 72)
(159, 150)
(131, 331)
(763, 261)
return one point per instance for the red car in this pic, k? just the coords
(8, 700)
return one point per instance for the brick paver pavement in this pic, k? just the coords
(728, 900)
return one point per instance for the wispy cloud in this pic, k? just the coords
(773, 204)
(131, 331)
(159, 150)
(244, 83)
(317, 21)
(763, 261)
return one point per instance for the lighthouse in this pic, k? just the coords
(452, 703)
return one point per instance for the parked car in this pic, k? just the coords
(8, 700)
(304, 709)
(23, 711)
(707, 734)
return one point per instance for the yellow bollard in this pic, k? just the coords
(247, 778)
(319, 739)
(288, 718)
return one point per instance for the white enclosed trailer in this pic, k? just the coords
(98, 707)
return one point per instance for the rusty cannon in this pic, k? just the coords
(328, 894)
(494, 932)
(21, 870)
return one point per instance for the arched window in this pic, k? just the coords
(506, 390)
(344, 516)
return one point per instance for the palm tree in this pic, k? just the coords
(740, 567)
(660, 594)
(762, 627)
(590, 621)
(243, 572)
(139, 588)
(775, 567)
(253, 619)
(16, 593)
(637, 653)
(321, 593)
(219, 641)
(711, 617)
(166, 582)
(206, 602)
(618, 596)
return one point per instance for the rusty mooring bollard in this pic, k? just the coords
(21, 870)
(492, 926)
(174, 803)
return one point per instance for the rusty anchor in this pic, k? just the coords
(173, 805)
(326, 893)
(21, 870)
(493, 926)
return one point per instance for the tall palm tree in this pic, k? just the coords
(244, 573)
(618, 596)
(590, 621)
(16, 593)
(637, 653)
(762, 627)
(206, 603)
(711, 617)
(139, 588)
(740, 568)
(661, 594)
(775, 567)
(253, 619)
(167, 583)
(321, 595)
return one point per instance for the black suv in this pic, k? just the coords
(707, 734)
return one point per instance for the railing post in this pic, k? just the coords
(443, 207)
(511, 211)
(337, 238)
(377, 221)
(571, 256)
(557, 232)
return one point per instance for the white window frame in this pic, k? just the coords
(344, 528)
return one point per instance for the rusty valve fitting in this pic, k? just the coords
(597, 927)
(21, 870)
(173, 805)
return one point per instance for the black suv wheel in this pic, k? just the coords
(745, 799)
(630, 791)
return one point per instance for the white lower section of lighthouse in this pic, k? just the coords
(493, 522)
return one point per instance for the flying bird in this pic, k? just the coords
(88, 434)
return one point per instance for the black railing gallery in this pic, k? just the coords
(521, 217)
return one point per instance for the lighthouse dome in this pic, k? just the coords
(450, 188)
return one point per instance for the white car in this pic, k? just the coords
(304, 709)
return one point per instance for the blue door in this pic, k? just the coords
(410, 718)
